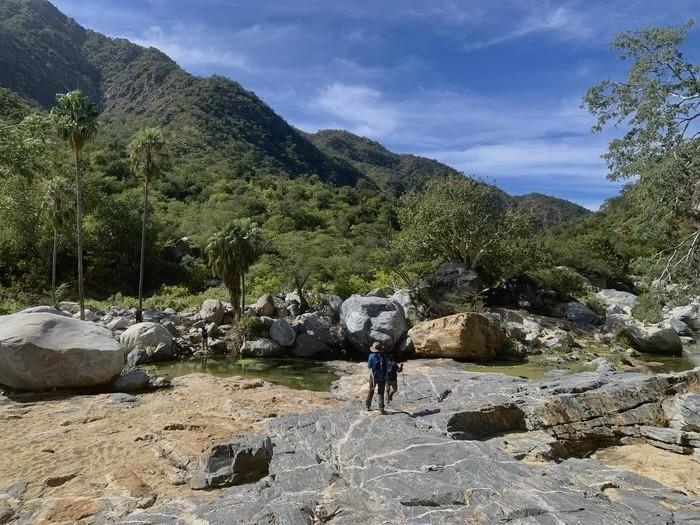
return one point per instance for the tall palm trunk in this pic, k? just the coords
(53, 267)
(242, 292)
(79, 231)
(139, 313)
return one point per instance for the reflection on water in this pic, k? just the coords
(538, 367)
(300, 374)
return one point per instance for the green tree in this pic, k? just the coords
(146, 152)
(57, 203)
(456, 219)
(231, 251)
(76, 119)
(659, 104)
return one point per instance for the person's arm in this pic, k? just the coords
(399, 368)
(369, 361)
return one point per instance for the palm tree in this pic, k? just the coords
(76, 119)
(57, 203)
(231, 251)
(146, 152)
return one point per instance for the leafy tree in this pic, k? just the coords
(57, 198)
(659, 104)
(145, 150)
(456, 219)
(231, 251)
(76, 119)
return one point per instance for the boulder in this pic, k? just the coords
(243, 460)
(335, 302)
(680, 327)
(457, 278)
(89, 315)
(616, 301)
(321, 328)
(41, 350)
(683, 412)
(212, 311)
(556, 339)
(146, 335)
(366, 320)
(282, 333)
(690, 315)
(45, 310)
(460, 336)
(308, 346)
(265, 305)
(131, 381)
(119, 323)
(654, 339)
(405, 299)
(577, 313)
(377, 292)
(261, 347)
(137, 356)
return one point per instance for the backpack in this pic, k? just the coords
(378, 365)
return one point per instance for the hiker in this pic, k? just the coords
(205, 340)
(392, 379)
(377, 364)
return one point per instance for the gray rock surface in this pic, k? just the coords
(146, 335)
(234, 462)
(654, 339)
(683, 412)
(616, 301)
(282, 333)
(450, 454)
(131, 381)
(578, 313)
(307, 345)
(321, 328)
(44, 350)
(45, 310)
(261, 347)
(265, 305)
(212, 311)
(689, 314)
(366, 320)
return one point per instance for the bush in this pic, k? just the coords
(596, 305)
(250, 326)
(565, 281)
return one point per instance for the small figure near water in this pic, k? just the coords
(205, 340)
(378, 368)
(392, 379)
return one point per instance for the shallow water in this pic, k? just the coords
(299, 374)
(662, 364)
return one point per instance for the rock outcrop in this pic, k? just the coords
(461, 336)
(366, 320)
(212, 311)
(146, 335)
(43, 350)
(451, 454)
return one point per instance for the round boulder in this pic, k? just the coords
(146, 335)
(308, 346)
(45, 310)
(282, 333)
(265, 305)
(366, 320)
(43, 350)
(212, 311)
(261, 347)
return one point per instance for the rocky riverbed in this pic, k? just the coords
(456, 447)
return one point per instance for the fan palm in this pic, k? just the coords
(76, 120)
(146, 153)
(231, 251)
(57, 197)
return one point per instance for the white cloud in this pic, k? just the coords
(360, 109)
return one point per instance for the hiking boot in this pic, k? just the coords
(383, 412)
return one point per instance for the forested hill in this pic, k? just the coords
(397, 173)
(43, 52)
(214, 126)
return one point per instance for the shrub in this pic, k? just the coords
(565, 281)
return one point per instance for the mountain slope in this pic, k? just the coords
(549, 211)
(42, 52)
(393, 172)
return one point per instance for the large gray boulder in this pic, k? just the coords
(282, 333)
(307, 345)
(366, 320)
(689, 314)
(146, 335)
(45, 310)
(577, 313)
(654, 339)
(261, 347)
(321, 328)
(683, 412)
(616, 301)
(44, 350)
(265, 305)
(212, 311)
(243, 460)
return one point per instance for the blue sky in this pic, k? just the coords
(490, 87)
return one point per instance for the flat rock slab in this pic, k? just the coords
(345, 466)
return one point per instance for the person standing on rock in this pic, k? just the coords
(378, 368)
(205, 339)
(392, 379)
